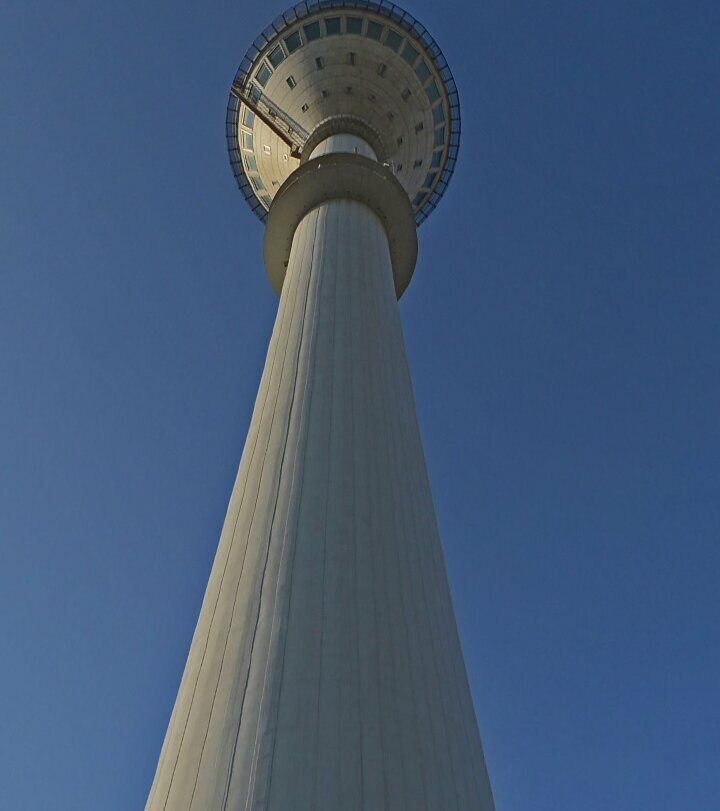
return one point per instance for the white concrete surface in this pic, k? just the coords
(325, 673)
(359, 77)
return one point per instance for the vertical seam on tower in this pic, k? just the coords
(412, 547)
(354, 275)
(382, 505)
(253, 763)
(330, 208)
(242, 567)
(242, 705)
(389, 301)
(231, 544)
(368, 337)
(310, 384)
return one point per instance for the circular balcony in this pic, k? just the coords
(344, 64)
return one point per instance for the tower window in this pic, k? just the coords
(293, 41)
(291, 82)
(305, 108)
(436, 159)
(251, 163)
(419, 199)
(263, 74)
(374, 30)
(351, 58)
(353, 25)
(332, 25)
(419, 127)
(276, 56)
(257, 182)
(430, 179)
(248, 118)
(438, 114)
(247, 140)
(422, 71)
(432, 91)
(382, 70)
(312, 31)
(410, 54)
(400, 140)
(439, 136)
(418, 163)
(393, 40)
(319, 62)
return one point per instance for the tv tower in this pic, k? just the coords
(325, 673)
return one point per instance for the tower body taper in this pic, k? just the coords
(325, 672)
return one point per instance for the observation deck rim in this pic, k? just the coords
(309, 9)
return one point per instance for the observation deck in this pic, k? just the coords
(367, 68)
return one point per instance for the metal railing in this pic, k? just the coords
(283, 125)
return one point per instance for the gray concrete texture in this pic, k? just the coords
(325, 672)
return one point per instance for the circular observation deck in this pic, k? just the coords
(356, 66)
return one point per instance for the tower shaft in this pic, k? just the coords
(325, 673)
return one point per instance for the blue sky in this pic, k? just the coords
(563, 333)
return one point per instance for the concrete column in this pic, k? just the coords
(325, 673)
(343, 142)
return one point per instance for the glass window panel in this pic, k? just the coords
(248, 117)
(410, 54)
(255, 93)
(438, 114)
(293, 42)
(436, 159)
(432, 91)
(263, 74)
(266, 200)
(430, 179)
(257, 182)
(247, 140)
(251, 163)
(419, 197)
(374, 30)
(423, 71)
(393, 40)
(276, 56)
(439, 136)
(332, 25)
(312, 31)
(353, 25)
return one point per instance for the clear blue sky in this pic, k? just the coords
(564, 336)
